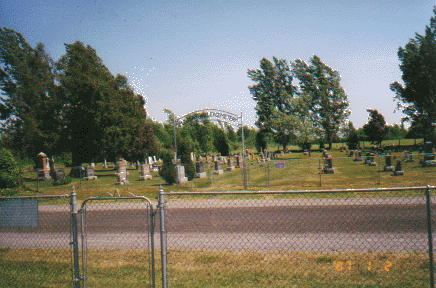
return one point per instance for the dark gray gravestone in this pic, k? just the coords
(399, 168)
(217, 166)
(58, 174)
(89, 171)
(199, 168)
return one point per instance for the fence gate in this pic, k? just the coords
(117, 235)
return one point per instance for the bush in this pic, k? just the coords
(168, 172)
(64, 181)
(9, 172)
(190, 170)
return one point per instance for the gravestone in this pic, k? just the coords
(357, 156)
(429, 155)
(43, 167)
(230, 166)
(367, 158)
(89, 173)
(238, 161)
(145, 173)
(199, 169)
(122, 172)
(218, 170)
(328, 165)
(408, 157)
(154, 159)
(371, 160)
(351, 153)
(150, 160)
(105, 164)
(399, 169)
(181, 174)
(388, 163)
(58, 174)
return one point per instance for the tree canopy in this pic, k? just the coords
(316, 106)
(73, 105)
(417, 95)
(375, 130)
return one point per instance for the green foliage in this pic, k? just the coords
(168, 172)
(32, 109)
(273, 92)
(375, 130)
(64, 181)
(104, 117)
(350, 135)
(417, 97)
(9, 172)
(221, 142)
(327, 101)
(261, 140)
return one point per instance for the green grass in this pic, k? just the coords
(301, 173)
(127, 268)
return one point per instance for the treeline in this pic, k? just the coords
(75, 110)
(73, 106)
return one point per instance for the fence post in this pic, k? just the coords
(319, 169)
(153, 271)
(162, 237)
(268, 175)
(75, 243)
(430, 236)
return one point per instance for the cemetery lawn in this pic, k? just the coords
(301, 172)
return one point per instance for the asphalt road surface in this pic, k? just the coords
(376, 225)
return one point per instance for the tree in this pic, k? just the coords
(375, 130)
(350, 135)
(30, 106)
(103, 116)
(273, 92)
(320, 85)
(417, 96)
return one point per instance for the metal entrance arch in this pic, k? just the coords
(123, 228)
(215, 115)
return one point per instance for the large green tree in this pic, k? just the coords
(273, 92)
(30, 105)
(328, 102)
(375, 130)
(417, 95)
(103, 116)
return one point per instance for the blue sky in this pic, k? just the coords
(190, 55)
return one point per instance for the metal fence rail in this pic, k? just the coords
(331, 237)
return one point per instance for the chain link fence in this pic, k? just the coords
(330, 238)
(32, 230)
(117, 242)
(46, 241)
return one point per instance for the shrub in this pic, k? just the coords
(9, 172)
(168, 172)
(64, 181)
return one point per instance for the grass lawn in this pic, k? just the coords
(115, 268)
(301, 172)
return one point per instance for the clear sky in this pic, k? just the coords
(194, 54)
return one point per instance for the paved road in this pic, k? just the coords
(227, 225)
